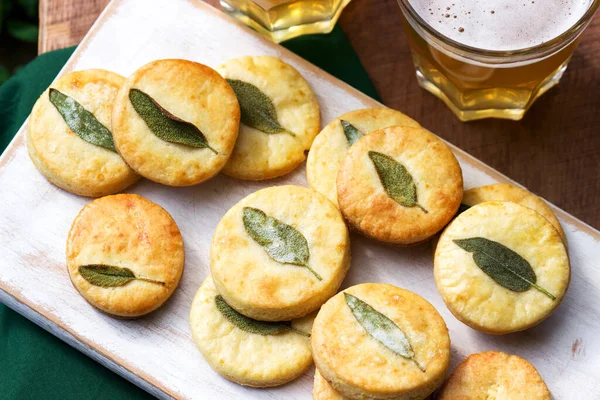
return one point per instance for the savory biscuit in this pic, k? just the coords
(124, 255)
(280, 117)
(59, 153)
(332, 144)
(508, 192)
(495, 375)
(399, 185)
(501, 267)
(378, 341)
(280, 253)
(167, 103)
(249, 352)
(322, 390)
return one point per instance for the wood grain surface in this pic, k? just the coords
(156, 352)
(554, 150)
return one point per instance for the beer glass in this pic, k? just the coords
(478, 83)
(284, 19)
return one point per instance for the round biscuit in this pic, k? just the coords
(357, 365)
(249, 359)
(258, 286)
(126, 231)
(64, 158)
(258, 155)
(192, 92)
(473, 296)
(436, 174)
(330, 146)
(495, 375)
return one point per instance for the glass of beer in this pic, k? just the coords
(284, 19)
(493, 58)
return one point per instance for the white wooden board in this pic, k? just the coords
(157, 352)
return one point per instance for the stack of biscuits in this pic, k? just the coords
(275, 258)
(500, 265)
(270, 305)
(95, 133)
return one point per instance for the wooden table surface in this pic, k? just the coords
(554, 150)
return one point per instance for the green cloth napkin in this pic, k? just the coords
(33, 363)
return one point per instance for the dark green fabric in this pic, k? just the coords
(18, 94)
(33, 363)
(334, 54)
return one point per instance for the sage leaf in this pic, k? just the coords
(165, 125)
(381, 328)
(251, 325)
(282, 242)
(110, 276)
(257, 110)
(81, 121)
(505, 266)
(396, 180)
(352, 134)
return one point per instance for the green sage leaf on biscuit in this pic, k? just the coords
(396, 180)
(351, 132)
(251, 325)
(81, 121)
(110, 276)
(505, 266)
(257, 110)
(282, 242)
(165, 125)
(381, 328)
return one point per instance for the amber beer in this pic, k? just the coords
(284, 19)
(493, 58)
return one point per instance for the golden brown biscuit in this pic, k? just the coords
(294, 272)
(495, 375)
(63, 157)
(322, 390)
(258, 155)
(331, 144)
(414, 197)
(508, 192)
(501, 301)
(236, 353)
(356, 362)
(124, 255)
(191, 92)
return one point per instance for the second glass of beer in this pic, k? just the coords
(492, 59)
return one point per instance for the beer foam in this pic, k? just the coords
(501, 24)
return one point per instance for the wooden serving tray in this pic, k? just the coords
(156, 352)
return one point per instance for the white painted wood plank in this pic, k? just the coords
(156, 352)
